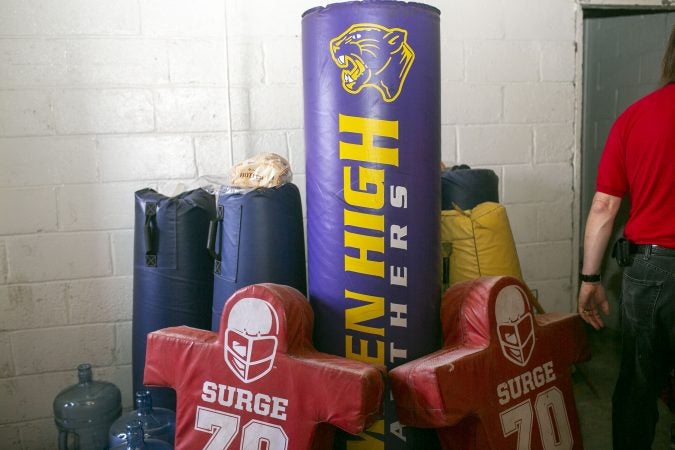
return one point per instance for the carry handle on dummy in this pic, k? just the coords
(151, 234)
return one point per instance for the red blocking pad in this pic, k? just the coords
(258, 383)
(502, 380)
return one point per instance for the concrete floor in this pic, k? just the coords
(595, 411)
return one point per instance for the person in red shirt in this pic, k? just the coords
(639, 162)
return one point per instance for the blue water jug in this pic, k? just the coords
(158, 423)
(85, 411)
(136, 441)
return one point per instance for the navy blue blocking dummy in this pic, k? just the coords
(466, 188)
(257, 238)
(173, 271)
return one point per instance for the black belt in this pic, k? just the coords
(650, 249)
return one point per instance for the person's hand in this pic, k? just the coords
(592, 300)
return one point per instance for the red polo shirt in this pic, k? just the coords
(639, 160)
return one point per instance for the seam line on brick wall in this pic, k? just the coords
(228, 79)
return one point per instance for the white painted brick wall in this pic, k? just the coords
(523, 221)
(553, 142)
(539, 103)
(123, 343)
(6, 363)
(38, 434)
(70, 160)
(211, 154)
(3, 262)
(98, 300)
(452, 63)
(100, 98)
(557, 60)
(283, 61)
(541, 183)
(467, 20)
(180, 18)
(193, 109)
(545, 260)
(11, 437)
(553, 293)
(25, 113)
(69, 17)
(58, 256)
(296, 150)
(554, 220)
(276, 107)
(449, 144)
(88, 111)
(466, 103)
(118, 61)
(248, 69)
(553, 20)
(246, 144)
(122, 243)
(197, 61)
(145, 157)
(36, 305)
(502, 61)
(49, 350)
(29, 397)
(483, 145)
(28, 210)
(30, 62)
(84, 207)
(265, 20)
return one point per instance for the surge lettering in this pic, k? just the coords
(526, 382)
(244, 400)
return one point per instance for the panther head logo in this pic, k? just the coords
(371, 55)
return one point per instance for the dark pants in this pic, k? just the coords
(648, 332)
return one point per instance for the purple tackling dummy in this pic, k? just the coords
(371, 74)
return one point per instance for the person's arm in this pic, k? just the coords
(596, 237)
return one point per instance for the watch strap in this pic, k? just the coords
(594, 278)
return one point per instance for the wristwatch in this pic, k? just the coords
(594, 278)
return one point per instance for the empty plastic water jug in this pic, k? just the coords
(85, 411)
(136, 441)
(158, 423)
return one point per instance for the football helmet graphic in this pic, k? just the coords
(515, 326)
(251, 339)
